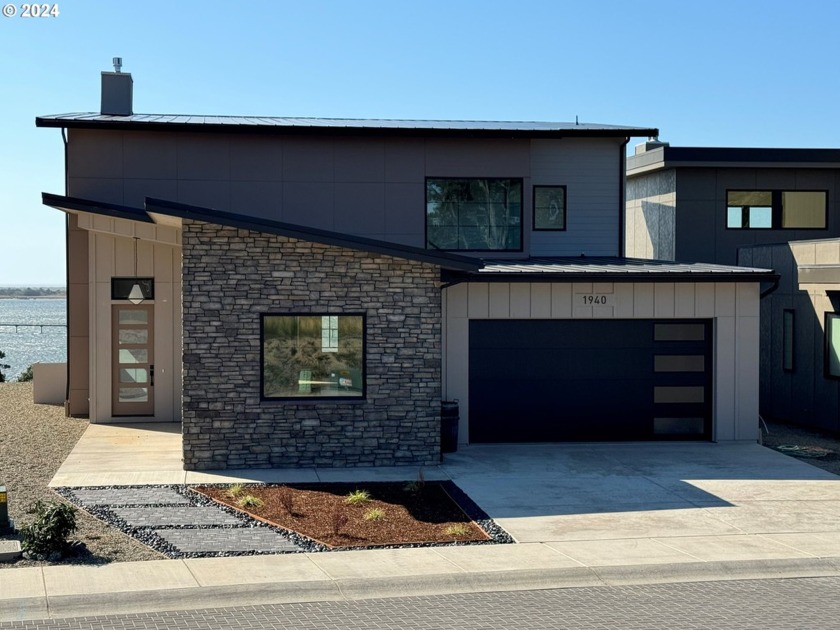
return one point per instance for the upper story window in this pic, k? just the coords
(476, 214)
(313, 356)
(549, 207)
(777, 209)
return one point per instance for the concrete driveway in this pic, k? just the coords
(586, 504)
(655, 503)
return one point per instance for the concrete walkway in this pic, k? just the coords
(583, 515)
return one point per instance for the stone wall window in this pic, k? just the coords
(313, 356)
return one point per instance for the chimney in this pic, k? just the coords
(117, 91)
(650, 145)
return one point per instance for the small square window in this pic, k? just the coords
(313, 356)
(121, 287)
(549, 207)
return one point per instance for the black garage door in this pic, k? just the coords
(589, 380)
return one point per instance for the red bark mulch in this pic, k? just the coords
(398, 513)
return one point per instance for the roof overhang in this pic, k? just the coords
(609, 269)
(328, 126)
(171, 214)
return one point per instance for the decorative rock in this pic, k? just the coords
(9, 550)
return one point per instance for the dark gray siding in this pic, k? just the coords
(366, 186)
(701, 209)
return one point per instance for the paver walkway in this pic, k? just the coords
(151, 513)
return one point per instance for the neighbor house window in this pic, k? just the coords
(474, 214)
(313, 356)
(787, 339)
(832, 345)
(776, 209)
(549, 207)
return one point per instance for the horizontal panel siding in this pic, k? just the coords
(590, 170)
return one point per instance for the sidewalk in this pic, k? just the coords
(72, 591)
(583, 515)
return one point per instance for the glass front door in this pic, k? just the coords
(132, 359)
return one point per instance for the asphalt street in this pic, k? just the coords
(762, 604)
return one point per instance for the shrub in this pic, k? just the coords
(457, 529)
(286, 498)
(235, 490)
(357, 497)
(26, 376)
(337, 519)
(374, 514)
(250, 501)
(46, 536)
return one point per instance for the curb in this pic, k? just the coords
(237, 595)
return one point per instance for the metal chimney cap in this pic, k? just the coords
(117, 61)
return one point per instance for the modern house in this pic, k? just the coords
(703, 203)
(309, 290)
(773, 208)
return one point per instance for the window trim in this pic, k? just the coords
(776, 209)
(829, 316)
(521, 246)
(791, 360)
(314, 399)
(565, 189)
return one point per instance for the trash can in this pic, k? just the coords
(449, 417)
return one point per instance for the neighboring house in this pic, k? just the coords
(311, 289)
(772, 208)
(800, 332)
(700, 204)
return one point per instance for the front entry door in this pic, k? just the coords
(132, 360)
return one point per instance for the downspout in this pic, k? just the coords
(622, 202)
(66, 276)
(771, 288)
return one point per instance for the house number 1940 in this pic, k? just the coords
(595, 299)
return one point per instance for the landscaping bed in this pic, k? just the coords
(359, 515)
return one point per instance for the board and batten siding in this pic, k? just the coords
(111, 254)
(733, 307)
(590, 169)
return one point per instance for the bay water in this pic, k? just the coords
(31, 344)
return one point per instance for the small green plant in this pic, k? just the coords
(357, 497)
(250, 501)
(26, 376)
(417, 485)
(46, 536)
(374, 514)
(235, 490)
(457, 530)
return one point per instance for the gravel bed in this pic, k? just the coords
(814, 447)
(34, 441)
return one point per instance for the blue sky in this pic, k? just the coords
(711, 73)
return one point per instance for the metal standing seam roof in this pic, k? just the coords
(311, 125)
(732, 157)
(612, 269)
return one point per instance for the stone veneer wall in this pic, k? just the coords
(232, 276)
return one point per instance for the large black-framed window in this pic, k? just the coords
(549, 208)
(788, 339)
(313, 355)
(832, 345)
(776, 209)
(474, 214)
